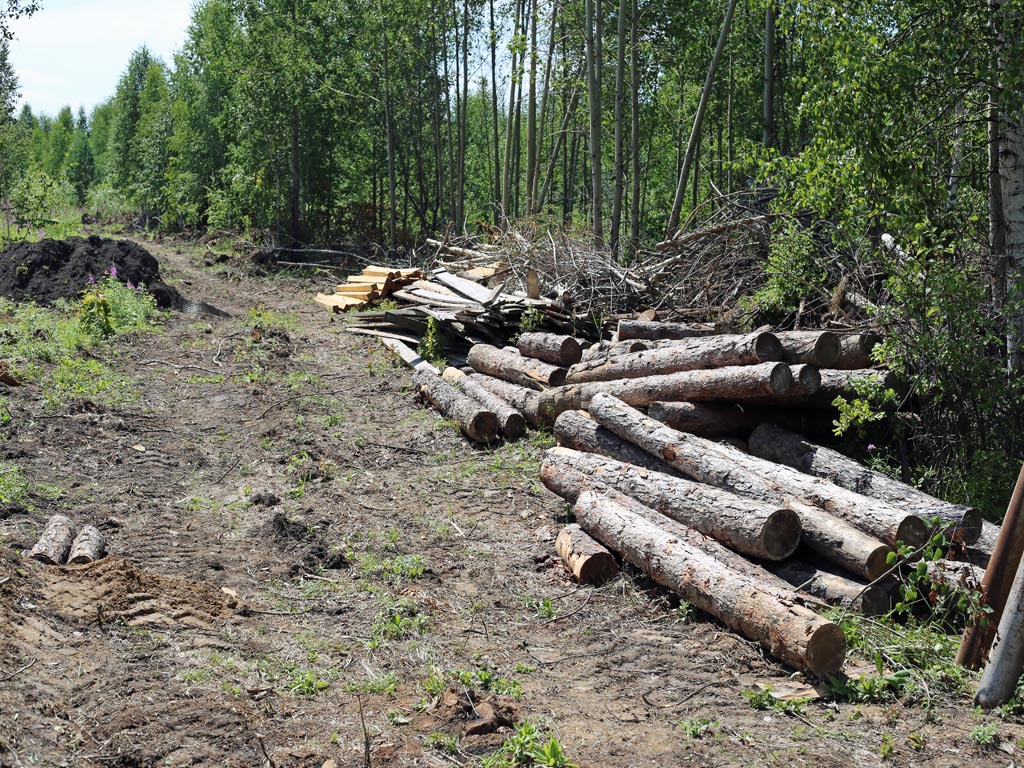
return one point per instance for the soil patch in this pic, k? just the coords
(49, 270)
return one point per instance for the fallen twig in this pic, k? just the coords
(17, 672)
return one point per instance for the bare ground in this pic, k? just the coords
(270, 499)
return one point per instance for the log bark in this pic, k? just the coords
(806, 382)
(576, 430)
(817, 348)
(778, 445)
(872, 599)
(55, 543)
(605, 349)
(736, 383)
(831, 537)
(642, 329)
(876, 518)
(720, 419)
(955, 574)
(522, 399)
(686, 355)
(856, 350)
(1006, 659)
(89, 546)
(835, 383)
(792, 633)
(551, 348)
(749, 527)
(588, 561)
(513, 423)
(510, 366)
(475, 420)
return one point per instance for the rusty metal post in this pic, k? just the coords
(999, 576)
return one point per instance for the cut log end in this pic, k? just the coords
(590, 562)
(826, 650)
(781, 534)
(768, 347)
(780, 380)
(483, 427)
(912, 530)
(877, 563)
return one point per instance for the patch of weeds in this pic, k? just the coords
(109, 306)
(196, 675)
(696, 728)
(887, 748)
(13, 485)
(486, 678)
(267, 318)
(300, 379)
(762, 699)
(306, 683)
(394, 570)
(385, 685)
(216, 378)
(431, 347)
(529, 745)
(916, 741)
(77, 379)
(399, 619)
(443, 743)
(985, 735)
(435, 682)
(869, 688)
(543, 607)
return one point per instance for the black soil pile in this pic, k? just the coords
(60, 269)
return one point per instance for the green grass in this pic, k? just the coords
(385, 685)
(13, 485)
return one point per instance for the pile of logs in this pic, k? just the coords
(678, 452)
(59, 543)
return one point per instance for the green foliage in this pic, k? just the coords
(698, 727)
(486, 678)
(385, 685)
(398, 619)
(528, 746)
(13, 485)
(762, 699)
(985, 734)
(306, 683)
(792, 271)
(431, 346)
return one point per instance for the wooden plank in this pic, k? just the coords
(461, 286)
(384, 335)
(360, 290)
(409, 356)
(337, 303)
(442, 298)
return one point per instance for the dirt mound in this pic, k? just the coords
(60, 269)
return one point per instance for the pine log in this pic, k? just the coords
(576, 430)
(513, 423)
(856, 350)
(721, 419)
(827, 535)
(55, 543)
(606, 349)
(778, 445)
(956, 575)
(522, 399)
(89, 546)
(688, 355)
(817, 348)
(806, 382)
(551, 348)
(1006, 659)
(792, 633)
(475, 420)
(641, 329)
(588, 561)
(872, 599)
(836, 383)
(749, 527)
(510, 366)
(874, 517)
(738, 383)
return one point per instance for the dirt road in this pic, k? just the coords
(294, 538)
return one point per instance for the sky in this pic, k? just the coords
(72, 52)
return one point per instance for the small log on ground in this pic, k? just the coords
(738, 383)
(509, 365)
(817, 348)
(89, 546)
(551, 348)
(691, 354)
(720, 419)
(826, 534)
(856, 350)
(588, 561)
(792, 633)
(874, 517)
(576, 430)
(870, 599)
(778, 445)
(55, 543)
(750, 527)
(642, 329)
(522, 399)
(475, 420)
(513, 423)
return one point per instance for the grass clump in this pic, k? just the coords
(529, 745)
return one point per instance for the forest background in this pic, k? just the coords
(882, 141)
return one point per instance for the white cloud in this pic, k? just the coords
(73, 51)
